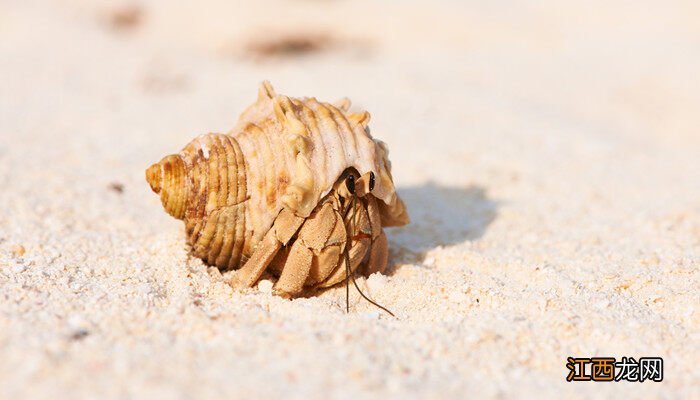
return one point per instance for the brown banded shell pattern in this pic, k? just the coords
(205, 185)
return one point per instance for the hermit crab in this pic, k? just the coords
(298, 188)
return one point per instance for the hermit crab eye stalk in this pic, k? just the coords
(350, 183)
(371, 181)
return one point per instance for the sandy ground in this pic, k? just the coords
(549, 157)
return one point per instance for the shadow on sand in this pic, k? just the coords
(440, 216)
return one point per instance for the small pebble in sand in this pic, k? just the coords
(18, 250)
(76, 321)
(265, 286)
(429, 261)
(215, 274)
(79, 334)
(376, 282)
(78, 327)
(116, 187)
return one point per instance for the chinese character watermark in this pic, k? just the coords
(605, 369)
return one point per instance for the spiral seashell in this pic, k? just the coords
(283, 153)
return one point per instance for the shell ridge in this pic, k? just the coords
(231, 190)
(217, 240)
(198, 206)
(261, 150)
(309, 119)
(210, 158)
(285, 146)
(345, 129)
(271, 168)
(254, 177)
(227, 245)
(335, 153)
(223, 155)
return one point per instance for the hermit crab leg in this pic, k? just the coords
(312, 238)
(378, 255)
(379, 252)
(326, 260)
(358, 245)
(295, 272)
(285, 226)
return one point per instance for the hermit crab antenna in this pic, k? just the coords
(347, 275)
(350, 183)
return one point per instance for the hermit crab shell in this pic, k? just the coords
(283, 153)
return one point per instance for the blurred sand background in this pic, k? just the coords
(549, 156)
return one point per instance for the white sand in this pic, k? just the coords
(549, 157)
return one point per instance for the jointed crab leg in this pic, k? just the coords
(313, 242)
(359, 242)
(282, 230)
(379, 253)
(322, 250)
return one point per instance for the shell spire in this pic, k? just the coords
(167, 178)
